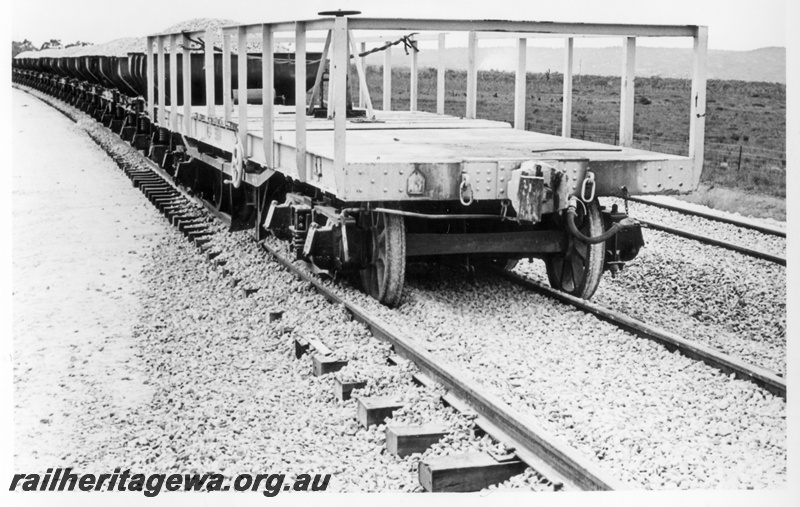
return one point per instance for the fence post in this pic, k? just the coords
(739, 166)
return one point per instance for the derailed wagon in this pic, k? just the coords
(361, 189)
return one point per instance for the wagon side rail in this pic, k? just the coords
(338, 51)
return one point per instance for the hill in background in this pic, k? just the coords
(766, 64)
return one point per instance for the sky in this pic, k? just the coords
(733, 24)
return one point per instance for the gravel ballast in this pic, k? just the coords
(654, 418)
(309, 315)
(222, 390)
(116, 47)
(729, 301)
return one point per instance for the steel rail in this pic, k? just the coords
(766, 379)
(541, 451)
(198, 201)
(751, 252)
(557, 461)
(552, 458)
(739, 222)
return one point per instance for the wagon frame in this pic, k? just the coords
(363, 194)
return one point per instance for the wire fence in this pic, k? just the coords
(734, 157)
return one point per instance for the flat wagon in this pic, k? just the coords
(358, 188)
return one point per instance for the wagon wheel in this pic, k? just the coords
(218, 189)
(578, 269)
(384, 276)
(505, 263)
(500, 262)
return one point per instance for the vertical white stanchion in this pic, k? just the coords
(520, 84)
(566, 109)
(626, 103)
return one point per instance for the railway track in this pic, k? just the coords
(532, 444)
(751, 252)
(548, 456)
(738, 222)
(762, 377)
(748, 225)
(560, 463)
(743, 224)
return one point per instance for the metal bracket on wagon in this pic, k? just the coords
(624, 246)
(336, 245)
(526, 190)
(330, 238)
(540, 187)
(621, 224)
(279, 217)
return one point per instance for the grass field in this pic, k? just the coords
(745, 121)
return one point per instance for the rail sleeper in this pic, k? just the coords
(343, 390)
(324, 365)
(403, 441)
(466, 472)
(376, 409)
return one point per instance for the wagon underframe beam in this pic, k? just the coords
(526, 244)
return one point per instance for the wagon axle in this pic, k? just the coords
(377, 244)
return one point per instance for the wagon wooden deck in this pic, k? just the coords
(417, 136)
(406, 138)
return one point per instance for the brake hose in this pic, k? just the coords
(572, 213)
